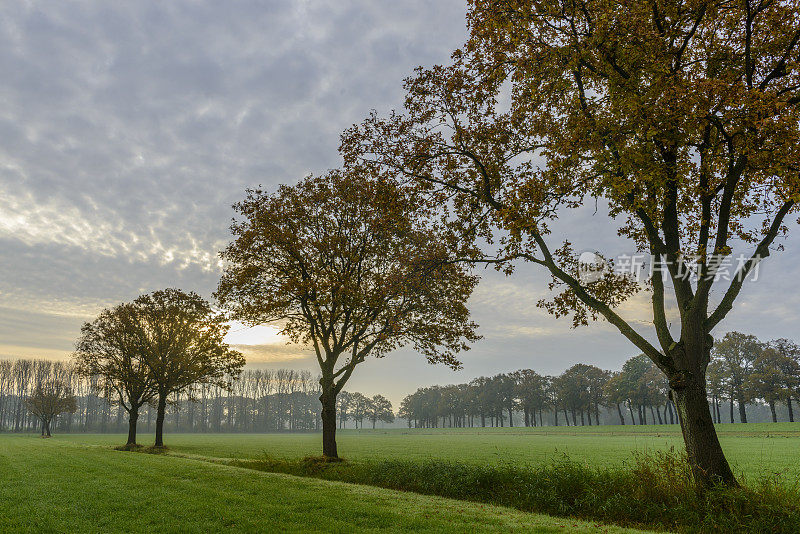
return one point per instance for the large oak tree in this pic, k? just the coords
(680, 116)
(352, 266)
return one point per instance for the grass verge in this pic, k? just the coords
(656, 491)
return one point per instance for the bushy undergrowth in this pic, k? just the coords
(654, 491)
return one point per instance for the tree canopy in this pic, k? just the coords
(351, 265)
(109, 348)
(182, 342)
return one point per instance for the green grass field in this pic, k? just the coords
(753, 449)
(77, 483)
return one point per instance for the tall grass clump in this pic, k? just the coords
(654, 491)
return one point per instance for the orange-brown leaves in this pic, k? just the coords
(352, 264)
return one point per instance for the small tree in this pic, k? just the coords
(182, 341)
(352, 266)
(616, 393)
(109, 348)
(359, 408)
(380, 409)
(791, 369)
(49, 399)
(767, 379)
(737, 352)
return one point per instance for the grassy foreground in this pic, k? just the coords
(69, 484)
(754, 450)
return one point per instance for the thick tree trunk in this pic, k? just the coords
(510, 416)
(160, 415)
(133, 417)
(328, 400)
(791, 411)
(732, 410)
(621, 417)
(630, 409)
(772, 409)
(702, 445)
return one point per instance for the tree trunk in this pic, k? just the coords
(791, 411)
(630, 409)
(621, 418)
(328, 400)
(742, 412)
(772, 409)
(133, 417)
(160, 414)
(703, 449)
(732, 410)
(510, 416)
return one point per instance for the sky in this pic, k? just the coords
(129, 128)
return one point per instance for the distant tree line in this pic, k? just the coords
(261, 400)
(743, 371)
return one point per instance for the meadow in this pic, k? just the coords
(78, 482)
(754, 450)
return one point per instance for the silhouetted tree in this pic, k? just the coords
(182, 340)
(49, 399)
(109, 348)
(353, 266)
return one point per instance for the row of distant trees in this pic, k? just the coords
(357, 407)
(46, 395)
(743, 370)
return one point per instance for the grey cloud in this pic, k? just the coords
(127, 129)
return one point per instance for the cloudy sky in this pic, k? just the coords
(127, 129)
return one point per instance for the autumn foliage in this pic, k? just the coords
(681, 117)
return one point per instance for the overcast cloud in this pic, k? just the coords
(127, 129)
